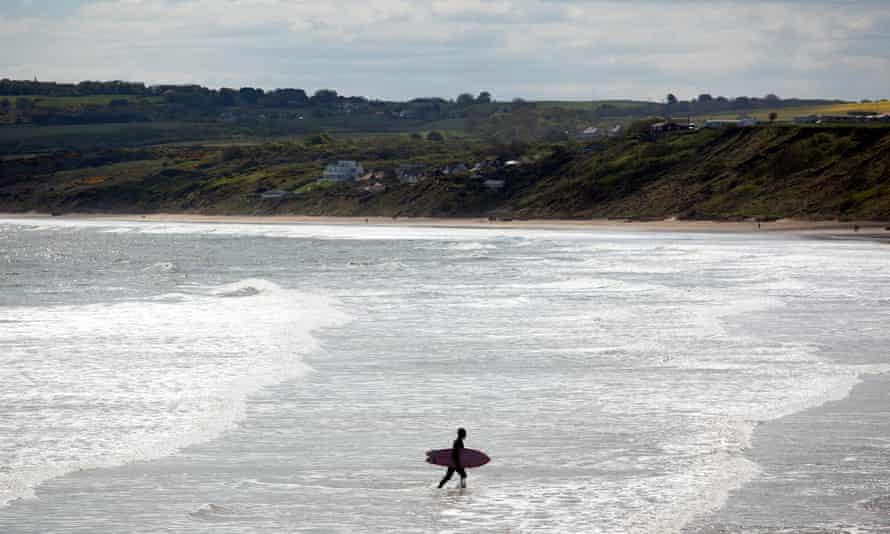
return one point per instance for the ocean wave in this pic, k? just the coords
(161, 267)
(151, 376)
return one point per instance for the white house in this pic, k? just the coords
(457, 168)
(342, 171)
(274, 194)
(493, 185)
(591, 132)
(616, 130)
(806, 119)
(746, 122)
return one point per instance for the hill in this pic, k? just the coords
(765, 172)
(45, 116)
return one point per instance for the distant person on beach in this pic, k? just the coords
(456, 447)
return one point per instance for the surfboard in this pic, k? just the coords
(468, 458)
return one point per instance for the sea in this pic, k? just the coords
(220, 377)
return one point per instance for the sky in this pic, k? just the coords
(400, 49)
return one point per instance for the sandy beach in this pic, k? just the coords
(841, 229)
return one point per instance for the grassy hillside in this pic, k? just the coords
(761, 172)
(830, 172)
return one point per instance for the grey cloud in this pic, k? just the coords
(531, 48)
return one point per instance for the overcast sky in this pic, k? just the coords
(397, 49)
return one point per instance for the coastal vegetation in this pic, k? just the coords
(763, 173)
(127, 147)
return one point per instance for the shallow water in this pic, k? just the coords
(240, 378)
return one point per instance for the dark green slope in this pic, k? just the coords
(762, 172)
(769, 172)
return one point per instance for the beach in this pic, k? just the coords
(862, 229)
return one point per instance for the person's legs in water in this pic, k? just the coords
(448, 475)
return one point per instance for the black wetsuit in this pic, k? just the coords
(455, 455)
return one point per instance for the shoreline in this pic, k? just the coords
(870, 230)
(774, 441)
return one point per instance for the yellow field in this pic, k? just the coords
(790, 113)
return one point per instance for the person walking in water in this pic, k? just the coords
(456, 447)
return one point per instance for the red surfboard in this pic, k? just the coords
(468, 458)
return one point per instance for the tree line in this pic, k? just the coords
(706, 102)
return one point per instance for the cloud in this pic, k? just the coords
(401, 48)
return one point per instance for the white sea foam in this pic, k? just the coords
(638, 366)
(137, 380)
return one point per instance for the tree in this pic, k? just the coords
(435, 136)
(705, 98)
(249, 95)
(671, 99)
(318, 139)
(291, 97)
(324, 97)
(773, 116)
(228, 96)
(484, 97)
(465, 99)
(772, 98)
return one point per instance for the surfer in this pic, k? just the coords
(455, 455)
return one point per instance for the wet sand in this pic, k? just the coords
(827, 229)
(824, 471)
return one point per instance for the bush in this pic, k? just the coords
(319, 139)
(435, 136)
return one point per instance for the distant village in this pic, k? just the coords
(491, 172)
(373, 181)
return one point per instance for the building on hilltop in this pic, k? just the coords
(457, 168)
(806, 119)
(667, 126)
(746, 122)
(372, 175)
(342, 171)
(591, 132)
(616, 130)
(494, 185)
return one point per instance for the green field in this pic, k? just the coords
(590, 105)
(26, 138)
(74, 101)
